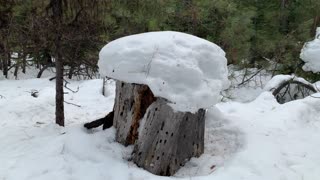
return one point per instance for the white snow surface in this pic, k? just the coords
(310, 54)
(259, 140)
(188, 71)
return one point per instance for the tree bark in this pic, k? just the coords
(5, 67)
(169, 139)
(284, 17)
(71, 71)
(42, 70)
(315, 24)
(164, 140)
(16, 69)
(131, 103)
(24, 61)
(57, 18)
(6, 64)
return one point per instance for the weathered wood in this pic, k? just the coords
(131, 103)
(168, 139)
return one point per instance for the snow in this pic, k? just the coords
(188, 71)
(256, 140)
(279, 79)
(310, 54)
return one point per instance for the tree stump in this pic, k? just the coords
(167, 139)
(131, 103)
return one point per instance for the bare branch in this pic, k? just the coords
(247, 80)
(72, 104)
(66, 86)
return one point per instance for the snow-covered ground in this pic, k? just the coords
(258, 140)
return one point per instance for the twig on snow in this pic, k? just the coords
(72, 104)
(66, 86)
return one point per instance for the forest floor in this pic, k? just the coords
(255, 139)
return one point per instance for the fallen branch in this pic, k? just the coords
(289, 90)
(106, 121)
(65, 85)
(72, 104)
(247, 80)
(285, 83)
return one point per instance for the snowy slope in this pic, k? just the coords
(260, 140)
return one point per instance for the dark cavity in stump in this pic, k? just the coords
(132, 101)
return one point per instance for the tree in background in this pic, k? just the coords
(56, 6)
(69, 35)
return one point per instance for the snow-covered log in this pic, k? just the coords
(288, 88)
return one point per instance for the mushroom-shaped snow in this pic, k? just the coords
(186, 70)
(310, 54)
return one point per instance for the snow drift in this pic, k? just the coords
(310, 54)
(188, 71)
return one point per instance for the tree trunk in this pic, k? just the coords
(70, 73)
(57, 18)
(9, 59)
(5, 67)
(1, 55)
(315, 24)
(104, 86)
(16, 69)
(284, 23)
(24, 61)
(59, 91)
(167, 139)
(42, 70)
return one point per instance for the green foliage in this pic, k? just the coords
(250, 31)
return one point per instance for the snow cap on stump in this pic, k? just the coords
(186, 70)
(310, 54)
